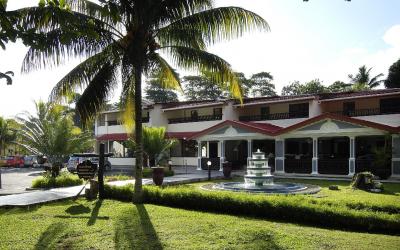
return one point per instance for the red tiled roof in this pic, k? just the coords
(340, 118)
(113, 137)
(263, 128)
(367, 93)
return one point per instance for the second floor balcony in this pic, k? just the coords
(199, 118)
(369, 111)
(275, 116)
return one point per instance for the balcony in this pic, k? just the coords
(369, 112)
(276, 116)
(200, 118)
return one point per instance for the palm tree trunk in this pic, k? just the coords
(138, 192)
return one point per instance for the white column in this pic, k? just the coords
(279, 155)
(352, 159)
(222, 154)
(315, 156)
(198, 155)
(249, 150)
(395, 156)
(208, 149)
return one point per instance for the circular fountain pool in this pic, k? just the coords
(258, 179)
(276, 188)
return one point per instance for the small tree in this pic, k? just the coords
(339, 86)
(51, 132)
(7, 134)
(363, 79)
(155, 144)
(393, 78)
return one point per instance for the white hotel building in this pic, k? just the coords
(332, 134)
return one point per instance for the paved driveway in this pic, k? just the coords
(15, 180)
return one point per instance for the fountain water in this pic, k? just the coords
(258, 179)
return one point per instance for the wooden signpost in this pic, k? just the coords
(87, 170)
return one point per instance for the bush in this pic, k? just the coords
(119, 177)
(65, 179)
(148, 172)
(365, 181)
(298, 209)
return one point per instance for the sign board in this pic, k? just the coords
(86, 169)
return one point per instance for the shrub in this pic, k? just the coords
(119, 177)
(148, 172)
(65, 179)
(298, 209)
(365, 181)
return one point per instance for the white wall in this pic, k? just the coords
(314, 108)
(191, 161)
(122, 161)
(191, 126)
(157, 117)
(229, 112)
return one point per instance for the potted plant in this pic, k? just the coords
(158, 175)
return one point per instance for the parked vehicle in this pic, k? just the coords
(14, 161)
(75, 160)
(31, 161)
(3, 161)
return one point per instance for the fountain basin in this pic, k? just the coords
(276, 188)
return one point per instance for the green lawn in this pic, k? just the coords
(113, 224)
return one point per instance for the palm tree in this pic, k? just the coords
(363, 78)
(7, 77)
(51, 132)
(130, 38)
(7, 134)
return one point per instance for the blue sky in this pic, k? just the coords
(325, 39)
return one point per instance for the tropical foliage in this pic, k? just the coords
(156, 93)
(261, 85)
(201, 88)
(7, 75)
(393, 77)
(126, 38)
(296, 88)
(155, 145)
(51, 132)
(7, 134)
(363, 79)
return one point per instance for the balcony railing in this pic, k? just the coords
(200, 118)
(369, 112)
(275, 116)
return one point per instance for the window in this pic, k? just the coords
(349, 108)
(390, 105)
(264, 113)
(217, 112)
(298, 110)
(119, 150)
(184, 149)
(102, 120)
(194, 115)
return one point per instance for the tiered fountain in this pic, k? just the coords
(258, 179)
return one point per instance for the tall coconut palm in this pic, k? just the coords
(363, 78)
(132, 38)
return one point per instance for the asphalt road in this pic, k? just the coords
(15, 180)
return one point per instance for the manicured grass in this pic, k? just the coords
(116, 225)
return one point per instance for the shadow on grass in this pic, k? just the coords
(51, 237)
(134, 230)
(95, 213)
(78, 209)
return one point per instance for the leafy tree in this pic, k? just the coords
(339, 86)
(261, 85)
(51, 132)
(156, 93)
(363, 78)
(393, 78)
(201, 88)
(7, 134)
(128, 36)
(312, 87)
(245, 84)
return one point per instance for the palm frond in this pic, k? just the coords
(219, 71)
(96, 93)
(7, 77)
(168, 77)
(219, 24)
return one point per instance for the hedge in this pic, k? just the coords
(148, 172)
(65, 179)
(293, 209)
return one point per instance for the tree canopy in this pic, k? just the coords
(296, 88)
(201, 88)
(363, 79)
(127, 38)
(156, 93)
(261, 85)
(393, 77)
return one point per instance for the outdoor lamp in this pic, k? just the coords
(209, 169)
(169, 164)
